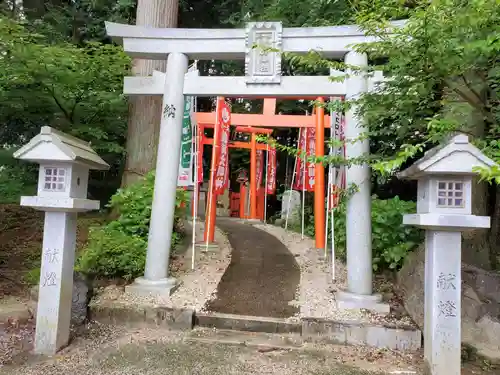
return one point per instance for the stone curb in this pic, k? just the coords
(311, 329)
(246, 323)
(354, 333)
(140, 316)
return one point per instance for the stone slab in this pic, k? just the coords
(142, 316)
(260, 340)
(246, 323)
(151, 290)
(376, 307)
(353, 333)
(202, 246)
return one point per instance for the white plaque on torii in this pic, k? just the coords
(263, 52)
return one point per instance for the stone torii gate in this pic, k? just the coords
(262, 79)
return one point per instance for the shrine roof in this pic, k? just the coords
(53, 145)
(457, 156)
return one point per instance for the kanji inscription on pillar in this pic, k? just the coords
(263, 52)
(446, 281)
(447, 309)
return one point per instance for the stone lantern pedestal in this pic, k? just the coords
(444, 177)
(65, 162)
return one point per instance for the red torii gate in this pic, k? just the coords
(254, 123)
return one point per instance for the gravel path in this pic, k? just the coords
(262, 277)
(315, 295)
(197, 286)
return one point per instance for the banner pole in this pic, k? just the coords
(332, 180)
(265, 184)
(335, 118)
(211, 189)
(304, 182)
(195, 185)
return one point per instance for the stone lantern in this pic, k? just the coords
(445, 176)
(65, 162)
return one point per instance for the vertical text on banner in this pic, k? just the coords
(258, 167)
(307, 146)
(185, 176)
(271, 171)
(224, 123)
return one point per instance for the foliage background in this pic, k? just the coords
(58, 68)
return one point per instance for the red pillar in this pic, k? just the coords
(253, 177)
(319, 175)
(210, 216)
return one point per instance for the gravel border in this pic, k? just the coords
(315, 295)
(197, 286)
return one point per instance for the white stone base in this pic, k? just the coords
(159, 288)
(350, 301)
(60, 204)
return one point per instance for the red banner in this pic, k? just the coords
(271, 171)
(311, 151)
(223, 125)
(307, 146)
(258, 167)
(338, 175)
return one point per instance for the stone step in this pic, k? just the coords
(264, 342)
(246, 323)
(404, 338)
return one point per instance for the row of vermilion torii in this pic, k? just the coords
(307, 175)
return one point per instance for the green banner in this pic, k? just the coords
(185, 165)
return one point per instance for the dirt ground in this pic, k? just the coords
(21, 234)
(107, 350)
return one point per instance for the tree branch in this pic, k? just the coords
(478, 106)
(476, 94)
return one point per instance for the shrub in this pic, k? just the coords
(16, 181)
(118, 249)
(391, 240)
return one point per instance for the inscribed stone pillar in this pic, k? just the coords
(56, 282)
(442, 331)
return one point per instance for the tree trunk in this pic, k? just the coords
(495, 230)
(476, 246)
(145, 111)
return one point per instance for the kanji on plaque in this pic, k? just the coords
(258, 167)
(271, 171)
(223, 123)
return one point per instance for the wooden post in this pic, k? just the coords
(319, 175)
